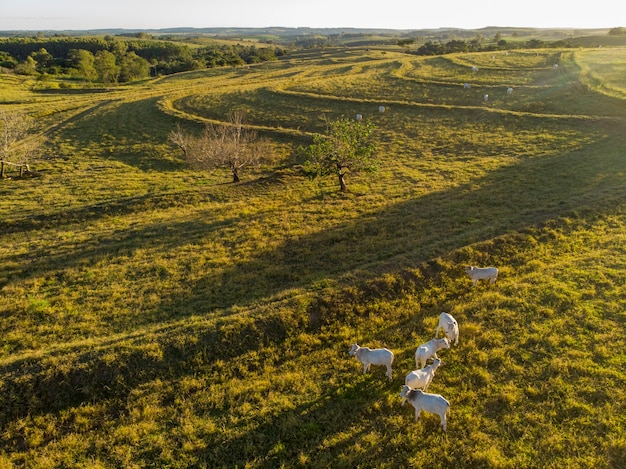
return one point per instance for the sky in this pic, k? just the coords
(396, 14)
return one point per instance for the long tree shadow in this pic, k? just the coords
(508, 199)
(108, 369)
(307, 429)
(118, 207)
(33, 387)
(137, 125)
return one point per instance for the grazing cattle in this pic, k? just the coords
(432, 403)
(555, 66)
(359, 117)
(381, 109)
(450, 327)
(368, 356)
(474, 68)
(482, 273)
(429, 350)
(486, 97)
(509, 90)
(467, 86)
(417, 379)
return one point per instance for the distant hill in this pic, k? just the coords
(306, 31)
(305, 37)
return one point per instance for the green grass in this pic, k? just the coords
(153, 316)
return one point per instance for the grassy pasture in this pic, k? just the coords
(605, 76)
(157, 317)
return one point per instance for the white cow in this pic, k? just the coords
(450, 327)
(429, 350)
(486, 97)
(368, 356)
(482, 273)
(417, 379)
(381, 109)
(467, 86)
(359, 117)
(509, 90)
(433, 403)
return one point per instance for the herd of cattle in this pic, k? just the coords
(417, 381)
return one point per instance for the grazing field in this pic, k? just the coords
(157, 316)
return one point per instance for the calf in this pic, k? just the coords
(429, 349)
(422, 378)
(450, 327)
(482, 273)
(433, 403)
(368, 356)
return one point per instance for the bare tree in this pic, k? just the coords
(230, 145)
(183, 140)
(18, 143)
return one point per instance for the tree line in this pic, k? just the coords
(112, 60)
(476, 45)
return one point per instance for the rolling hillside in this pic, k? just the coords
(157, 316)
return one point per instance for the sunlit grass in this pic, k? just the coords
(156, 316)
(604, 70)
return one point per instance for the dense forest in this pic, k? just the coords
(127, 57)
(115, 59)
(111, 59)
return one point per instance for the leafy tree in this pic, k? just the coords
(84, 61)
(7, 60)
(620, 31)
(345, 148)
(431, 48)
(230, 146)
(535, 44)
(474, 45)
(106, 66)
(133, 67)
(119, 48)
(43, 59)
(456, 45)
(27, 67)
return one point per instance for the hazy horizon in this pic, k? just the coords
(401, 15)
